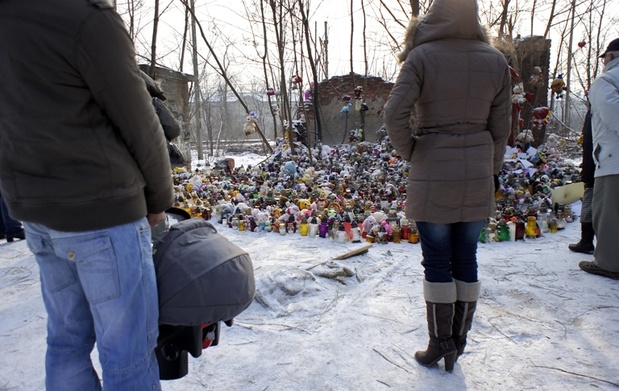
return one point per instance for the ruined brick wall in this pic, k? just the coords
(529, 53)
(524, 55)
(335, 125)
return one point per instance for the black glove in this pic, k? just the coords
(497, 184)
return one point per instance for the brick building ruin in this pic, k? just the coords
(336, 125)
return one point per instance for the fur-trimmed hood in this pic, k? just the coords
(445, 19)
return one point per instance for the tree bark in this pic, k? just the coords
(196, 92)
(153, 44)
(317, 121)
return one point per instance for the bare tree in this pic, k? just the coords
(224, 74)
(317, 122)
(365, 71)
(184, 41)
(153, 45)
(504, 21)
(197, 91)
(550, 19)
(282, 27)
(266, 64)
(352, 35)
(278, 13)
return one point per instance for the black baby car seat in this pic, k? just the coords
(203, 279)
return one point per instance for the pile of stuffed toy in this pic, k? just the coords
(363, 186)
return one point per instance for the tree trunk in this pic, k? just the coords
(279, 35)
(153, 44)
(568, 78)
(314, 74)
(265, 62)
(224, 74)
(196, 92)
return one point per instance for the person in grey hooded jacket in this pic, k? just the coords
(448, 114)
(604, 98)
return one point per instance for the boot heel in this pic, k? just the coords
(450, 360)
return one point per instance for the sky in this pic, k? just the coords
(541, 322)
(231, 35)
(230, 19)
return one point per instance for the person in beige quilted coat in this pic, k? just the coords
(448, 114)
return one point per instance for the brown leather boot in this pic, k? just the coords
(440, 298)
(585, 245)
(467, 294)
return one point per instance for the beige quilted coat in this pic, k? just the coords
(459, 86)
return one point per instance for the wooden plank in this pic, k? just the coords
(359, 251)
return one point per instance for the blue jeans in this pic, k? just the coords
(8, 225)
(98, 286)
(449, 250)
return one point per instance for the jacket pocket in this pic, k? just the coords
(596, 155)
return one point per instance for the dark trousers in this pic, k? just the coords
(449, 250)
(8, 225)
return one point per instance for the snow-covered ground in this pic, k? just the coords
(541, 324)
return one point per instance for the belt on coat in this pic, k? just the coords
(453, 129)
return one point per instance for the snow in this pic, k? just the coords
(541, 323)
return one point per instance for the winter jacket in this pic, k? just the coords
(604, 98)
(170, 125)
(459, 88)
(81, 147)
(171, 128)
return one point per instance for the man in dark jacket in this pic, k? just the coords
(585, 245)
(83, 164)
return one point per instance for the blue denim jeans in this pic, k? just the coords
(449, 250)
(98, 286)
(8, 225)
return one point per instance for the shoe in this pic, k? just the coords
(2, 236)
(581, 247)
(592, 268)
(585, 245)
(20, 235)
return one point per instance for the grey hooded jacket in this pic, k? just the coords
(604, 97)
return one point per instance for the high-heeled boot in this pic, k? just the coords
(466, 303)
(440, 298)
